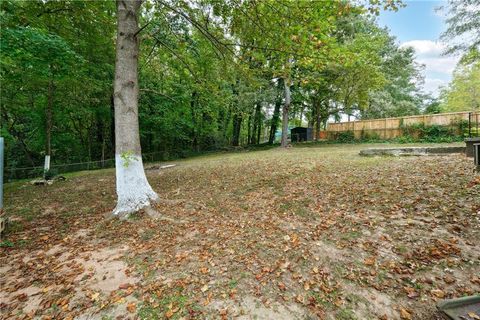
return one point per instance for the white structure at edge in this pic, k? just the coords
(133, 190)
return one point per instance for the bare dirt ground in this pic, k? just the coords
(303, 233)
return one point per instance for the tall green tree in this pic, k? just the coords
(463, 28)
(463, 92)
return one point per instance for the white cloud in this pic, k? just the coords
(444, 65)
(434, 85)
(425, 47)
(438, 68)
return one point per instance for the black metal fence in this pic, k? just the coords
(473, 124)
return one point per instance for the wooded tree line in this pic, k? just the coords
(463, 38)
(463, 92)
(212, 74)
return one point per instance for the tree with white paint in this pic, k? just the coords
(133, 190)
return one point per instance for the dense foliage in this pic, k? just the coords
(213, 74)
(463, 37)
(463, 92)
(463, 26)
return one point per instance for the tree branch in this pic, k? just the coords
(159, 93)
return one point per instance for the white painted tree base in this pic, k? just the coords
(133, 190)
(46, 166)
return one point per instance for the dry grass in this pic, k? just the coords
(303, 233)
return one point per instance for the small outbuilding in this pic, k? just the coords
(300, 134)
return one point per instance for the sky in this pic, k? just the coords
(419, 25)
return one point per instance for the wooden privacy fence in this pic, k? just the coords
(389, 128)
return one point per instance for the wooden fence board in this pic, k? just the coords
(389, 128)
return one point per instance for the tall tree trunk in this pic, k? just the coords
(275, 119)
(259, 130)
(318, 123)
(193, 101)
(301, 116)
(249, 129)
(225, 123)
(103, 151)
(256, 124)
(133, 190)
(258, 121)
(237, 126)
(49, 125)
(100, 136)
(286, 107)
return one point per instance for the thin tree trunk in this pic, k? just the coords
(49, 125)
(301, 116)
(237, 126)
(100, 136)
(249, 129)
(103, 152)
(226, 121)
(133, 190)
(253, 127)
(256, 124)
(275, 119)
(194, 121)
(318, 121)
(259, 130)
(286, 107)
(89, 142)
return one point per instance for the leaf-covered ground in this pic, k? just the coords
(303, 233)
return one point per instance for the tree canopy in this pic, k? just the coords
(212, 74)
(463, 92)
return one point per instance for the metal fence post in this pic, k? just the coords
(469, 124)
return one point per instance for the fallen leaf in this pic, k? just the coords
(124, 286)
(131, 307)
(411, 293)
(449, 279)
(169, 314)
(369, 261)
(438, 293)
(405, 314)
(224, 312)
(300, 299)
(306, 286)
(338, 302)
(204, 270)
(22, 297)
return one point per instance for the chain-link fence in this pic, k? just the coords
(35, 172)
